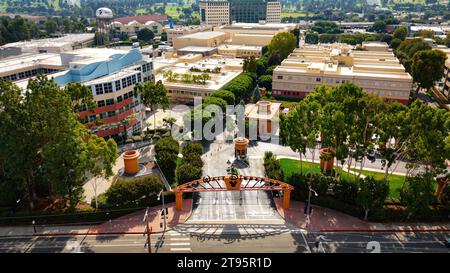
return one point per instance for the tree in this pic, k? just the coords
(225, 95)
(80, 96)
(249, 64)
(417, 194)
(296, 133)
(102, 155)
(187, 172)
(166, 154)
(283, 43)
(265, 81)
(400, 33)
(215, 101)
(272, 167)
(427, 68)
(311, 38)
(379, 26)
(44, 148)
(395, 43)
(151, 95)
(145, 35)
(371, 194)
(429, 131)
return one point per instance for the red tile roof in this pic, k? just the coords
(141, 18)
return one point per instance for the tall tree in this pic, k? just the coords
(427, 68)
(152, 95)
(283, 43)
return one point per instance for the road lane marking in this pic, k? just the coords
(179, 244)
(181, 249)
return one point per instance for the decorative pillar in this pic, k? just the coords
(286, 199)
(178, 201)
(131, 161)
(240, 147)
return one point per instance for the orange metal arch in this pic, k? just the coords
(240, 183)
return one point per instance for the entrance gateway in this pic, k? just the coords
(232, 183)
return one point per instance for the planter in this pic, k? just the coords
(326, 153)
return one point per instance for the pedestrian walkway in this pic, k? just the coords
(329, 220)
(128, 224)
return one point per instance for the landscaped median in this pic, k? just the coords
(397, 199)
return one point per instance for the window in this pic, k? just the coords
(99, 89)
(118, 87)
(121, 110)
(280, 77)
(317, 79)
(101, 103)
(130, 94)
(119, 99)
(129, 81)
(133, 79)
(102, 115)
(107, 88)
(110, 102)
(139, 77)
(124, 83)
(111, 114)
(125, 96)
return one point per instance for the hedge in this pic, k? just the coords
(132, 190)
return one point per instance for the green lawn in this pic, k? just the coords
(291, 166)
(292, 14)
(395, 181)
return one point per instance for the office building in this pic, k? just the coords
(221, 12)
(377, 72)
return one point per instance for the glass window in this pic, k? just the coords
(124, 83)
(101, 103)
(118, 87)
(119, 99)
(103, 115)
(110, 102)
(107, 88)
(99, 89)
(111, 114)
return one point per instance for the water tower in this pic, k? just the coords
(104, 17)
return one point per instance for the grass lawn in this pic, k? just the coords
(292, 14)
(291, 166)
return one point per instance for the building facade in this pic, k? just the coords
(273, 12)
(377, 72)
(184, 30)
(214, 13)
(221, 12)
(111, 75)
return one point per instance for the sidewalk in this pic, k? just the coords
(329, 220)
(128, 224)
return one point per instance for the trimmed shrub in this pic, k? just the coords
(225, 95)
(187, 172)
(272, 167)
(129, 191)
(345, 191)
(192, 148)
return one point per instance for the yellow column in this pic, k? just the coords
(178, 200)
(286, 199)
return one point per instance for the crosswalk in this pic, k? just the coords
(173, 241)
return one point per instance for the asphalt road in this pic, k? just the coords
(217, 238)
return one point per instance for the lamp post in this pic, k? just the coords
(308, 206)
(161, 193)
(148, 232)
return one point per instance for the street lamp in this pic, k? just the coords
(308, 206)
(161, 193)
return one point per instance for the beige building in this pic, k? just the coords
(239, 51)
(177, 73)
(256, 34)
(215, 13)
(205, 39)
(446, 82)
(273, 12)
(265, 116)
(133, 27)
(377, 72)
(179, 31)
(375, 46)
